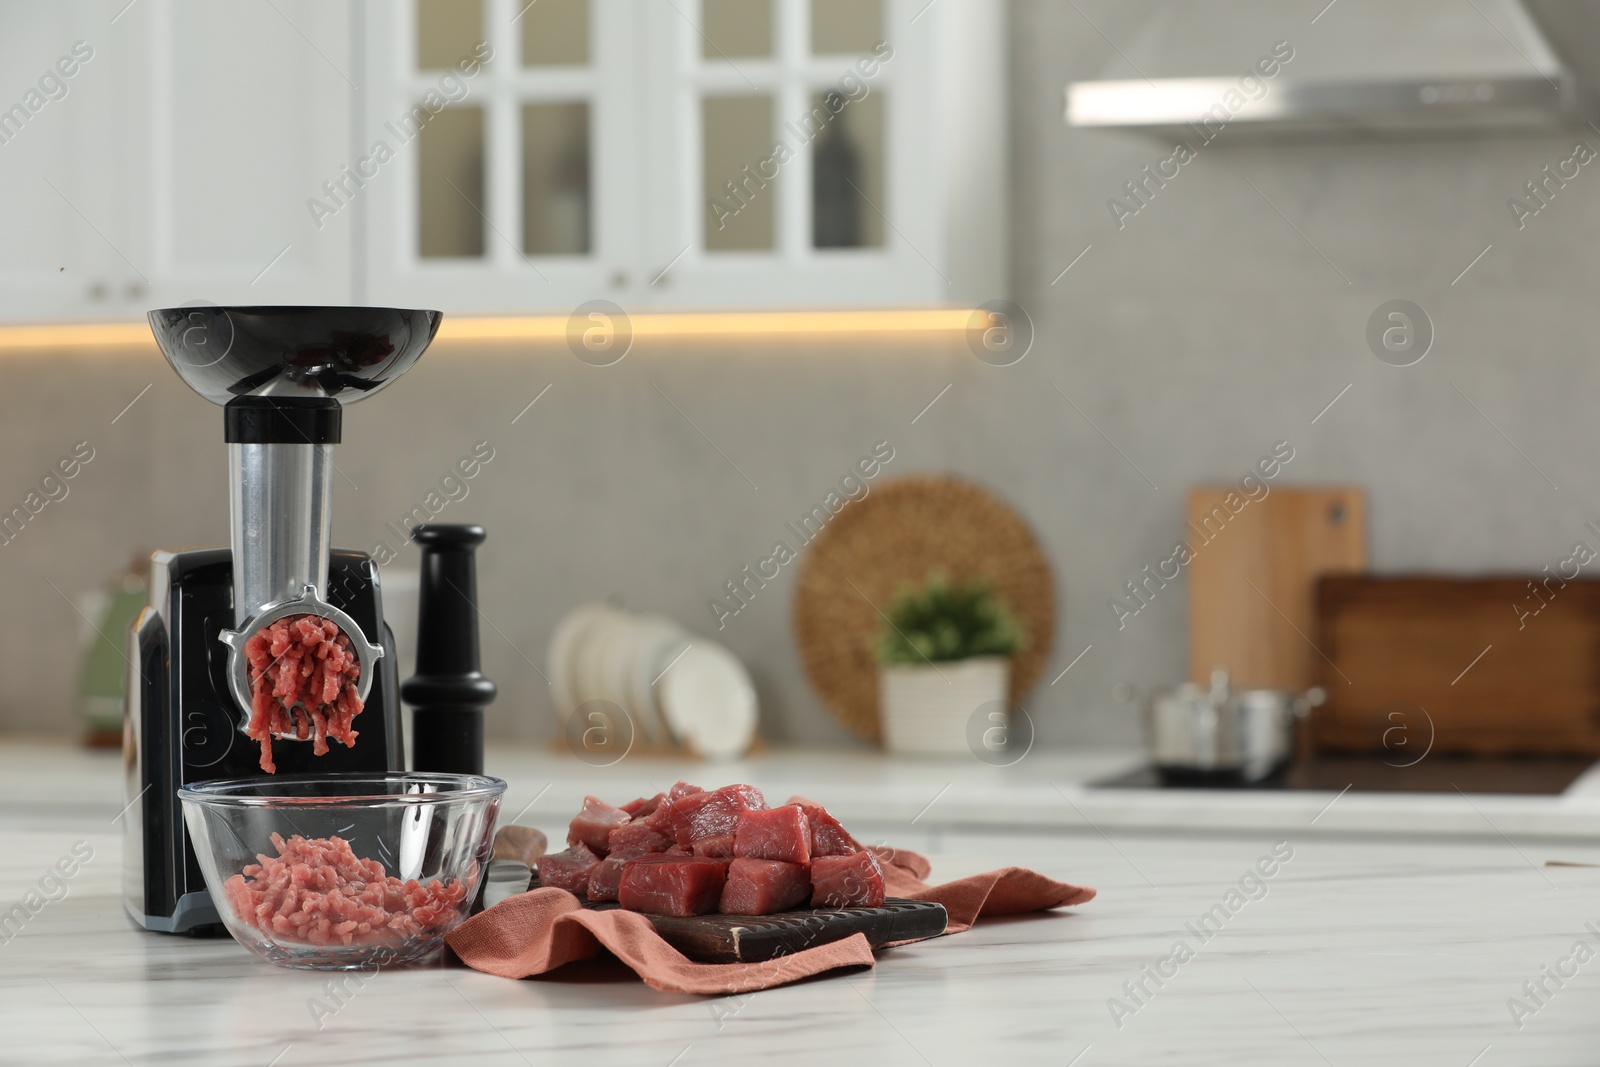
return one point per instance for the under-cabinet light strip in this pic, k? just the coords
(693, 324)
(539, 327)
(76, 335)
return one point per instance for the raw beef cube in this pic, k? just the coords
(679, 790)
(668, 885)
(717, 846)
(644, 805)
(774, 834)
(594, 824)
(638, 838)
(678, 850)
(714, 813)
(568, 870)
(607, 874)
(678, 813)
(660, 820)
(762, 887)
(828, 836)
(853, 881)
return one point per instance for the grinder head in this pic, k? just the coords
(346, 353)
(284, 374)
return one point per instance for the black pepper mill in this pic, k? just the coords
(448, 693)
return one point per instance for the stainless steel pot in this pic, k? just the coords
(1218, 734)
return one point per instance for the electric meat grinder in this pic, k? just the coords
(283, 376)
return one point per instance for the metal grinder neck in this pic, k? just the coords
(280, 459)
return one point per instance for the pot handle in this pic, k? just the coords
(1219, 685)
(1314, 697)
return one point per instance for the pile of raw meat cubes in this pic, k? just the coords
(691, 851)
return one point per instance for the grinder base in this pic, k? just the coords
(182, 724)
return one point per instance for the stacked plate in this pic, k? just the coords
(672, 686)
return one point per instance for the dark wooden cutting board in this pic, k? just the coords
(758, 938)
(1483, 665)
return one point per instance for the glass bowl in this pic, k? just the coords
(343, 871)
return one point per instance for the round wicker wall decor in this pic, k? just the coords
(902, 533)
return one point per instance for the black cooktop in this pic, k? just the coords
(1546, 775)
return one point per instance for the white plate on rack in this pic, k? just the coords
(709, 701)
(613, 671)
(656, 641)
(586, 650)
(564, 642)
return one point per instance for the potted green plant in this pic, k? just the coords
(943, 653)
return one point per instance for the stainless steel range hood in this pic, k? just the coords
(1365, 66)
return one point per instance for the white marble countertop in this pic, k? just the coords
(1048, 790)
(1363, 947)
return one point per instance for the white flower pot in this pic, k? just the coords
(926, 709)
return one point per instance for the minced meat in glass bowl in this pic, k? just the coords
(343, 871)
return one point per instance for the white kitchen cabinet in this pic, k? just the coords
(692, 154)
(56, 138)
(744, 153)
(178, 164)
(247, 112)
(459, 216)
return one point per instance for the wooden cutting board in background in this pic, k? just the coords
(1454, 662)
(1280, 544)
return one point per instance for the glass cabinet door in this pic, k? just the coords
(806, 58)
(502, 116)
(789, 191)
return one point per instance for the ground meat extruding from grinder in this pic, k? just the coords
(303, 684)
(319, 892)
